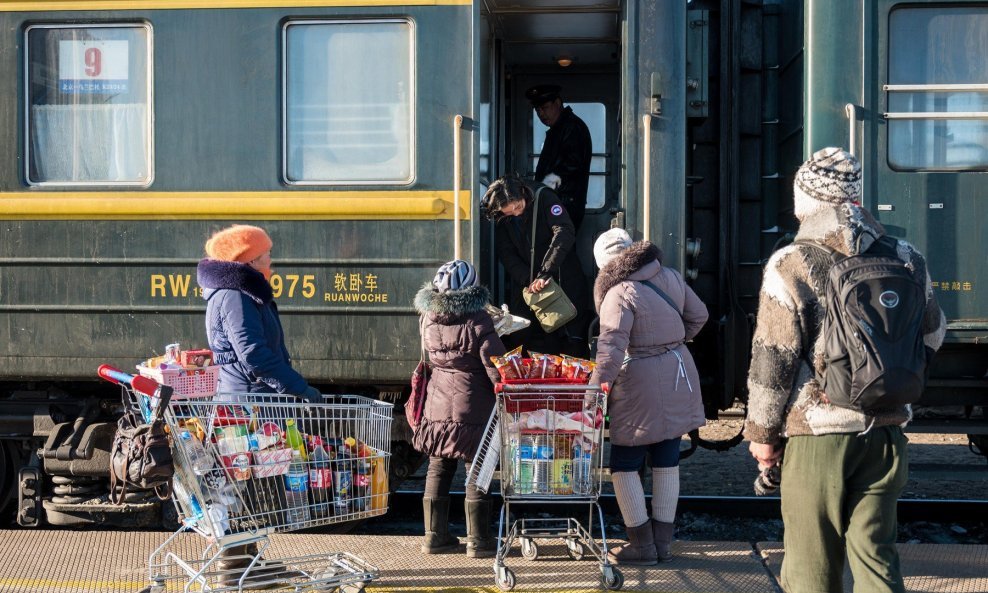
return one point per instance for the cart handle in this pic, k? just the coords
(140, 383)
(548, 387)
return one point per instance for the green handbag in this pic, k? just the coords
(551, 306)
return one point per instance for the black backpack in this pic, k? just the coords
(873, 338)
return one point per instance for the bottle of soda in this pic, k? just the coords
(320, 480)
(294, 439)
(297, 493)
(196, 454)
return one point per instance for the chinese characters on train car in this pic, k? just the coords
(344, 287)
(952, 286)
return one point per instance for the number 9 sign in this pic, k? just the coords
(93, 61)
(93, 66)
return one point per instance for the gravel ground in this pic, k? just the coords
(731, 473)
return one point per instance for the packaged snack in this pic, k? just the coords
(196, 358)
(510, 365)
(545, 366)
(577, 368)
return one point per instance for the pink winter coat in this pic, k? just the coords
(641, 352)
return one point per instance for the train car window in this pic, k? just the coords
(341, 125)
(938, 89)
(595, 116)
(88, 105)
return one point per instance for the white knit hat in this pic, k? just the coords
(609, 245)
(831, 177)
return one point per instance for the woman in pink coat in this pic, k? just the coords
(647, 314)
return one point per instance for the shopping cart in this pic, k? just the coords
(250, 465)
(550, 435)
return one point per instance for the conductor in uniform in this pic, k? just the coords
(564, 164)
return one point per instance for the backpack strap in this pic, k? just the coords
(835, 256)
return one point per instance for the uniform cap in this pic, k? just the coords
(543, 93)
(239, 243)
(454, 275)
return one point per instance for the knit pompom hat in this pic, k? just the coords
(609, 244)
(831, 177)
(239, 243)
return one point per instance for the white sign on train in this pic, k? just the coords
(93, 66)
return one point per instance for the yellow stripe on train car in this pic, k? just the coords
(250, 205)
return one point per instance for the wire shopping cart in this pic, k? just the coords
(550, 436)
(250, 465)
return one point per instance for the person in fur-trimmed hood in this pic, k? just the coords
(247, 341)
(843, 469)
(459, 339)
(647, 314)
(242, 322)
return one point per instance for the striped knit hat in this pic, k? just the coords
(832, 175)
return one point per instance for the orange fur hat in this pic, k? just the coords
(240, 243)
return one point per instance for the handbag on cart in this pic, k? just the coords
(551, 306)
(415, 405)
(141, 455)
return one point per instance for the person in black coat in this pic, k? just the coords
(510, 202)
(564, 163)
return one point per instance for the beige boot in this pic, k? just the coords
(435, 512)
(480, 543)
(662, 535)
(640, 549)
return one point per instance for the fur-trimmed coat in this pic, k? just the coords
(459, 338)
(784, 397)
(641, 351)
(244, 330)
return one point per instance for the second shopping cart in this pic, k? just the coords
(548, 436)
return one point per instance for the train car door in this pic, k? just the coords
(654, 124)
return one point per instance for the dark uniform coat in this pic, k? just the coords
(459, 338)
(566, 152)
(555, 257)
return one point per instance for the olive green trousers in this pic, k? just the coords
(839, 494)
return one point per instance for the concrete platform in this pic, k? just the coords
(103, 561)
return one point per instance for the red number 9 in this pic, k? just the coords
(94, 61)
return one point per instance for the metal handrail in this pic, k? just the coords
(852, 115)
(647, 177)
(937, 115)
(457, 124)
(933, 88)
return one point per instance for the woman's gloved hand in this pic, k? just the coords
(311, 395)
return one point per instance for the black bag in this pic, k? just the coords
(141, 455)
(873, 337)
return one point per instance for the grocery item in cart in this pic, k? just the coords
(576, 368)
(200, 461)
(511, 365)
(297, 492)
(294, 439)
(545, 366)
(320, 480)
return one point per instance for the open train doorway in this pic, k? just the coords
(575, 46)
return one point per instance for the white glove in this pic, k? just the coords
(552, 180)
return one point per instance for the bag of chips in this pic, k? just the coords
(511, 365)
(545, 366)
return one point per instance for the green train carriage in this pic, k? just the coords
(360, 134)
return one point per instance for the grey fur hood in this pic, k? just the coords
(452, 305)
(629, 261)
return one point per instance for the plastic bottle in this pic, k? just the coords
(294, 439)
(199, 459)
(188, 502)
(320, 480)
(379, 485)
(581, 470)
(297, 493)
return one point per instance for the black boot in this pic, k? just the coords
(480, 544)
(640, 549)
(437, 539)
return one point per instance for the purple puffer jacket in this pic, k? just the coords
(459, 338)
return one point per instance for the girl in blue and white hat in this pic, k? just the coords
(459, 339)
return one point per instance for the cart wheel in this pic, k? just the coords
(352, 587)
(505, 580)
(612, 578)
(575, 549)
(153, 589)
(529, 549)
